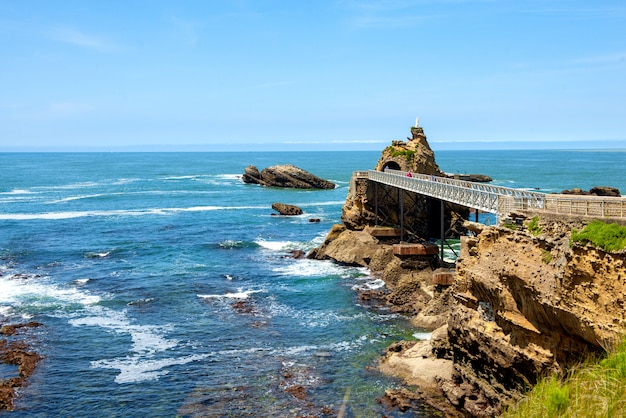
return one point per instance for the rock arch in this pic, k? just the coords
(392, 165)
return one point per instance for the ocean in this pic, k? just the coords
(165, 286)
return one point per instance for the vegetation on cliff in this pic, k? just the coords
(593, 390)
(609, 237)
(400, 152)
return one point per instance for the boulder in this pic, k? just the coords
(353, 248)
(251, 175)
(285, 209)
(595, 191)
(286, 175)
(605, 191)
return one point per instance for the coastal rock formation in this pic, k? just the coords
(287, 210)
(595, 191)
(285, 176)
(16, 353)
(525, 305)
(415, 156)
(522, 302)
(369, 204)
(476, 178)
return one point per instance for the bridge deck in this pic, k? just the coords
(499, 200)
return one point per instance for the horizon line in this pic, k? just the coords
(483, 145)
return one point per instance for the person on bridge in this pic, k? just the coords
(408, 174)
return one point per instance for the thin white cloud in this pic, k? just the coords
(81, 39)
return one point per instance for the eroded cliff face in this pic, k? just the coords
(522, 305)
(413, 155)
(526, 305)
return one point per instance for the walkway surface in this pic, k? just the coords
(499, 200)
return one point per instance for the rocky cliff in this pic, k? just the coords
(524, 302)
(529, 305)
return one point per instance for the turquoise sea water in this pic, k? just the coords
(165, 288)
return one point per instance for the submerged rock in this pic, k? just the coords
(17, 353)
(285, 176)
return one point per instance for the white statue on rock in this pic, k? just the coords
(417, 122)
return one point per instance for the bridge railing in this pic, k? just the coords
(501, 200)
(486, 197)
(595, 206)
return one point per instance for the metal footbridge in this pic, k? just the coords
(499, 200)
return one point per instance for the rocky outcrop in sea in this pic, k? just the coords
(286, 209)
(285, 176)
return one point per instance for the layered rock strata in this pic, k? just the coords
(285, 176)
(522, 306)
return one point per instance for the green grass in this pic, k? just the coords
(594, 389)
(546, 256)
(406, 153)
(610, 237)
(533, 226)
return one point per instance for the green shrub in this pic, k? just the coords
(546, 256)
(406, 153)
(533, 226)
(610, 237)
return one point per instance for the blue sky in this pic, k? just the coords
(323, 74)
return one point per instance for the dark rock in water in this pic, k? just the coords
(12, 329)
(314, 220)
(285, 176)
(480, 178)
(595, 191)
(285, 209)
(476, 178)
(251, 175)
(19, 354)
(575, 191)
(605, 191)
(297, 254)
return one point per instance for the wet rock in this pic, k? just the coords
(605, 191)
(19, 354)
(595, 191)
(243, 307)
(286, 175)
(297, 391)
(286, 210)
(13, 328)
(297, 254)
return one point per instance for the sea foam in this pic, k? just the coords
(240, 294)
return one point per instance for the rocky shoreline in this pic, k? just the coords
(521, 305)
(523, 300)
(17, 352)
